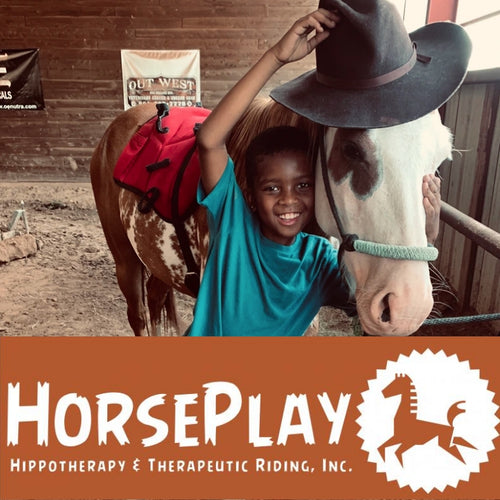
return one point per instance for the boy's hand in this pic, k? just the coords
(295, 43)
(431, 188)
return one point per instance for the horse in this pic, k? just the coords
(410, 431)
(374, 177)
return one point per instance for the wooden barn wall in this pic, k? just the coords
(80, 43)
(471, 183)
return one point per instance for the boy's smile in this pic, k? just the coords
(282, 195)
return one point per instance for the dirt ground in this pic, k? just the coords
(68, 287)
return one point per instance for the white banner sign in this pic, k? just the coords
(171, 76)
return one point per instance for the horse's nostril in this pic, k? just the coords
(386, 313)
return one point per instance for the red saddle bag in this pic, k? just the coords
(160, 164)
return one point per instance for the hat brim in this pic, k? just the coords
(425, 88)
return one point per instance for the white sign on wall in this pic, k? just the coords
(171, 76)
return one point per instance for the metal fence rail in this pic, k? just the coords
(482, 235)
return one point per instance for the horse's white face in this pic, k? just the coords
(376, 180)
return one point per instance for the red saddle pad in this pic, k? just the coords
(160, 163)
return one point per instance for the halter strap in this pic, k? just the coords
(351, 242)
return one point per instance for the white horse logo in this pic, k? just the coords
(437, 432)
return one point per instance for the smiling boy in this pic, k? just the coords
(264, 276)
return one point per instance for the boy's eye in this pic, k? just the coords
(272, 189)
(305, 185)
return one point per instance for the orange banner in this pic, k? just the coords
(296, 418)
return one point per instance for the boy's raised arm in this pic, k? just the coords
(294, 45)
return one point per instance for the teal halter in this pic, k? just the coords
(352, 243)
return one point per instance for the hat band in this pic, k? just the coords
(368, 83)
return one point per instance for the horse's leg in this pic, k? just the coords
(130, 273)
(391, 442)
(160, 298)
(130, 276)
(129, 268)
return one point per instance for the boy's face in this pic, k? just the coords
(282, 195)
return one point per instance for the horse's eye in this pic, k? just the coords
(352, 151)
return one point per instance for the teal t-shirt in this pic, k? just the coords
(253, 286)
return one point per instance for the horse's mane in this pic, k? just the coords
(262, 114)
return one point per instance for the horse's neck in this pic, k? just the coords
(409, 399)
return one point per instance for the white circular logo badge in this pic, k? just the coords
(428, 421)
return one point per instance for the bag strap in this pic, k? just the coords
(192, 278)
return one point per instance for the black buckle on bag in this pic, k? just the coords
(163, 110)
(146, 203)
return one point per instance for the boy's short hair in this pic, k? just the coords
(272, 141)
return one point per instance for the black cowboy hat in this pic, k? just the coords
(371, 73)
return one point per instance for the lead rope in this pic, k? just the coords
(351, 242)
(454, 320)
(357, 330)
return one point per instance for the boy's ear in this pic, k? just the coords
(250, 199)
